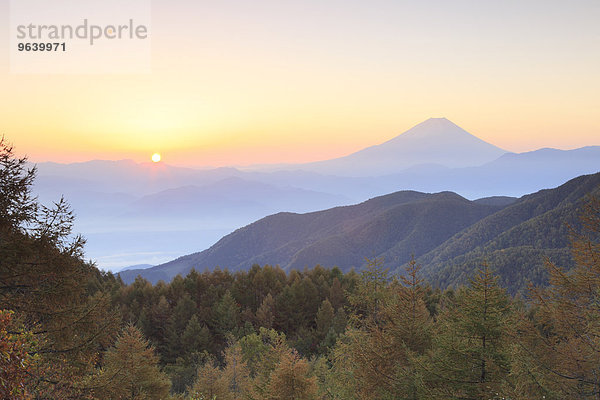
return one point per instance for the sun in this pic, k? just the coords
(156, 157)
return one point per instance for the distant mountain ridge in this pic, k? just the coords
(517, 239)
(143, 213)
(449, 235)
(434, 141)
(232, 195)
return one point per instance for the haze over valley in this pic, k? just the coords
(151, 213)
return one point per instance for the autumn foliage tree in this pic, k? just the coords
(259, 366)
(562, 345)
(131, 370)
(44, 281)
(470, 357)
(16, 359)
(291, 379)
(378, 357)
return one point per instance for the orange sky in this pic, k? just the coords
(237, 83)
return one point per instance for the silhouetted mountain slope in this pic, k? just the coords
(412, 228)
(496, 200)
(394, 226)
(515, 240)
(450, 236)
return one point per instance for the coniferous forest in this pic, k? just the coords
(70, 331)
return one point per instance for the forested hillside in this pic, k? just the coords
(68, 331)
(449, 235)
(323, 334)
(394, 227)
(517, 240)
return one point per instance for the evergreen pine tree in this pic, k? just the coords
(226, 315)
(195, 337)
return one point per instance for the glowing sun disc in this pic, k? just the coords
(156, 157)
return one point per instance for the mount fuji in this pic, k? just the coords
(434, 141)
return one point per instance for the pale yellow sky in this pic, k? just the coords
(237, 82)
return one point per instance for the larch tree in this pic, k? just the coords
(264, 313)
(336, 294)
(290, 380)
(471, 345)
(236, 374)
(406, 333)
(43, 279)
(15, 359)
(382, 351)
(131, 370)
(564, 340)
(210, 384)
(324, 319)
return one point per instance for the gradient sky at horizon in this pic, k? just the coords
(240, 82)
